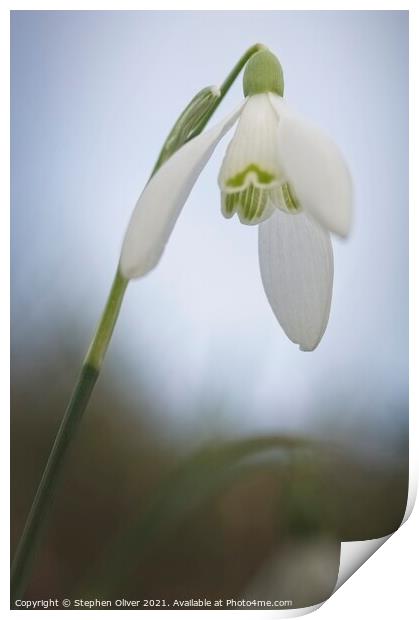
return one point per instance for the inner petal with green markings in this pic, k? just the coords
(255, 204)
(251, 178)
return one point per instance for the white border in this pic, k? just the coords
(384, 587)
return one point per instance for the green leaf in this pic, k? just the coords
(197, 480)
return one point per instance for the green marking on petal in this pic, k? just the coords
(254, 204)
(239, 179)
(256, 197)
(250, 204)
(290, 201)
(263, 199)
(247, 202)
(229, 201)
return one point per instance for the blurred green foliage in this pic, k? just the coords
(138, 515)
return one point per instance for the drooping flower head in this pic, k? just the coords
(251, 177)
(279, 172)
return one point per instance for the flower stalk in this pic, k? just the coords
(79, 400)
(228, 82)
(36, 520)
(204, 104)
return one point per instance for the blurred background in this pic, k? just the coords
(215, 459)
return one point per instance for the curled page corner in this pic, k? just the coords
(296, 612)
(354, 554)
(411, 496)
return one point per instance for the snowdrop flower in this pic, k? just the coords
(280, 173)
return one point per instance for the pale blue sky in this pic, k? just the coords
(93, 97)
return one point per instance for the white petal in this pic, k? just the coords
(316, 170)
(252, 153)
(296, 264)
(161, 202)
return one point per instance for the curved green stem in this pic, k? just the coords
(102, 337)
(228, 82)
(79, 400)
(205, 117)
(89, 373)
